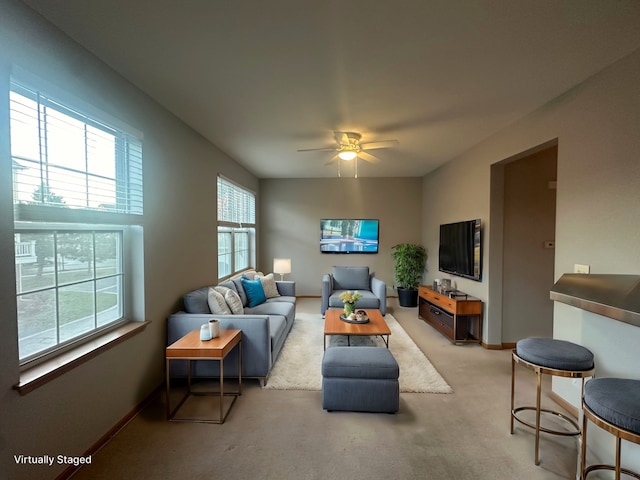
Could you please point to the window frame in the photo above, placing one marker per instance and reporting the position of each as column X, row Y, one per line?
column 127, row 220
column 243, row 222
column 124, row 274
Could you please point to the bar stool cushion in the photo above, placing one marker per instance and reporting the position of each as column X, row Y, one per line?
column 553, row 353
column 615, row 400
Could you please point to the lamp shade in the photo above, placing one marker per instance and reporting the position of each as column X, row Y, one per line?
column 281, row 265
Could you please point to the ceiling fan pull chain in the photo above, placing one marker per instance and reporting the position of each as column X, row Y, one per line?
column 348, row 147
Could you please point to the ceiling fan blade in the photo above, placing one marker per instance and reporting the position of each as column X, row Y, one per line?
column 333, row 149
column 342, row 138
column 382, row 144
column 333, row 160
column 368, row 157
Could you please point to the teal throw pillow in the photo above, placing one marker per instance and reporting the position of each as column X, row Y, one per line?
column 255, row 292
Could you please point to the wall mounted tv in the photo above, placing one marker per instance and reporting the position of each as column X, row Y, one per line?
column 460, row 251
column 345, row 235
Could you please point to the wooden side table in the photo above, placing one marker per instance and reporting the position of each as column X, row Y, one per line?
column 190, row 347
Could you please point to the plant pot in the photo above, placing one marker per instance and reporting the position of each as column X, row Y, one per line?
column 407, row 298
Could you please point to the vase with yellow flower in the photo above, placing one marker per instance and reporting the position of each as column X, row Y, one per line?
column 349, row 299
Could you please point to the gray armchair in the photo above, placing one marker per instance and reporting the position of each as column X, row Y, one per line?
column 343, row 278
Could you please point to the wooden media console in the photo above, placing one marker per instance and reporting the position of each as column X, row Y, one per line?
column 458, row 317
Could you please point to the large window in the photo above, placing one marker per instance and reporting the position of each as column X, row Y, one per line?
column 236, row 228
column 77, row 189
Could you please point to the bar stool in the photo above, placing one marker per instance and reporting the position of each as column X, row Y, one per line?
column 548, row 356
column 612, row 404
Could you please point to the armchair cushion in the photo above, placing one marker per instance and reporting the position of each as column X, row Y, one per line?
column 351, row 278
column 367, row 300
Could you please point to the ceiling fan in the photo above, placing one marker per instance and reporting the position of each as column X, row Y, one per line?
column 349, row 147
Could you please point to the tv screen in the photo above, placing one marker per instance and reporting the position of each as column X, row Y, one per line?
column 344, row 235
column 460, row 251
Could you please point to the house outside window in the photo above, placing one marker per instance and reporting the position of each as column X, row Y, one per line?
column 77, row 190
column 236, row 228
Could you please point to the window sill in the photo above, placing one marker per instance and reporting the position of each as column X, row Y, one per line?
column 44, row 372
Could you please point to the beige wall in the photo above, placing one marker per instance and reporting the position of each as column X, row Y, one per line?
column 290, row 211
column 597, row 216
column 69, row 414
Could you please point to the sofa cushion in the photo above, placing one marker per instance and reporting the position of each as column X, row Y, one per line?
column 249, row 274
column 254, row 291
column 235, row 284
column 232, row 298
column 351, row 278
column 268, row 285
column 240, row 291
column 197, row 301
column 217, row 303
column 282, row 298
column 277, row 330
column 286, row 309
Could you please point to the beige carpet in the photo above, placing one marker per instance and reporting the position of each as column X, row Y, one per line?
column 299, row 365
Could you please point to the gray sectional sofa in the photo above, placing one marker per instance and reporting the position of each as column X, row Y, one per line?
column 265, row 328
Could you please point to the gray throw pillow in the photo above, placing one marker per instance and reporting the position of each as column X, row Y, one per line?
column 217, row 303
column 232, row 298
column 268, row 285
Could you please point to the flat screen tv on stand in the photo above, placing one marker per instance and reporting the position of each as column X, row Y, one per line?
column 460, row 250
column 349, row 235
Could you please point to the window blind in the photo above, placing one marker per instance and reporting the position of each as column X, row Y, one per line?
column 236, row 205
column 64, row 159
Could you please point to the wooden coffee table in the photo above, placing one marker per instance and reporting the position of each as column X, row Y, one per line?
column 376, row 326
column 190, row 347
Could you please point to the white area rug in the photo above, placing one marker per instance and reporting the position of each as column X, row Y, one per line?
column 299, row 365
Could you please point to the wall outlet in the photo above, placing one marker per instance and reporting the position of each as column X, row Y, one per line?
column 579, row 268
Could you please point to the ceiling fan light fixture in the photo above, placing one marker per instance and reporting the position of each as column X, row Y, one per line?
column 347, row 155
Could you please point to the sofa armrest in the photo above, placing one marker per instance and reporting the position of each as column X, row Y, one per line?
column 379, row 289
column 327, row 289
column 256, row 337
column 286, row 288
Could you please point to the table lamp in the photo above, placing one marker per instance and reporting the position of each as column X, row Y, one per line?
column 282, row 266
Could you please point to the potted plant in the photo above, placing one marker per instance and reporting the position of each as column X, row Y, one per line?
column 410, row 262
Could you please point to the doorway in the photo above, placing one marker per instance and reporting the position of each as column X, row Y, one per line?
column 523, row 200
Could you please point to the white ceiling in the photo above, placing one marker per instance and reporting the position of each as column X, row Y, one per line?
column 261, row 79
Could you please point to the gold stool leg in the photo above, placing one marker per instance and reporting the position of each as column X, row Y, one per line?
column 513, row 384
column 583, row 450
column 618, row 442
column 538, row 416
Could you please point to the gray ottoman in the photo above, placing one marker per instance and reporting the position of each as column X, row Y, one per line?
column 360, row 379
